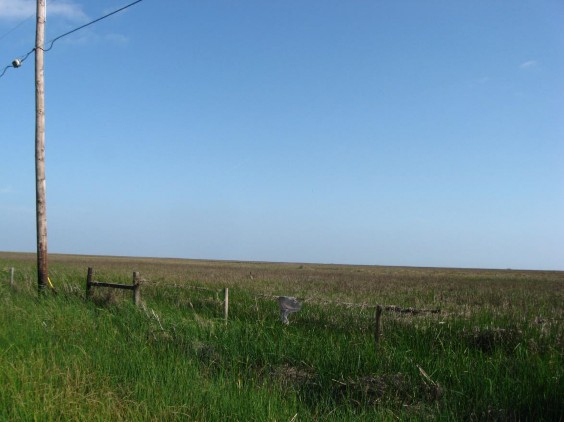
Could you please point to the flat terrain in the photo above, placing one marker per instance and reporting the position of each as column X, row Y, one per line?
column 455, row 344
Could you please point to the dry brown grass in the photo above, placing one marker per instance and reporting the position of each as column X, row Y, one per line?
column 460, row 291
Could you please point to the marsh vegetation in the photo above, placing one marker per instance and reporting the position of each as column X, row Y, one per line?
column 493, row 352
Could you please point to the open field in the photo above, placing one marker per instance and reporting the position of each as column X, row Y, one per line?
column 494, row 352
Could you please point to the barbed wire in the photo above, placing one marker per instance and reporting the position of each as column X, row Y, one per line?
column 390, row 308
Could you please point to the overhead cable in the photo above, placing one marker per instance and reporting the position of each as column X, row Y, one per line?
column 18, row 62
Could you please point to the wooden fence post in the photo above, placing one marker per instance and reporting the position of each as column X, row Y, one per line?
column 226, row 303
column 12, row 277
column 378, row 327
column 136, row 289
column 89, row 283
column 135, row 286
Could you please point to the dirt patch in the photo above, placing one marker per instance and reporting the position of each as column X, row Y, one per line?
column 489, row 339
column 371, row 389
column 288, row 375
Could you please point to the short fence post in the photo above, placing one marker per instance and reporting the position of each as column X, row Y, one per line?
column 226, row 303
column 89, row 283
column 12, row 277
column 378, row 327
column 136, row 289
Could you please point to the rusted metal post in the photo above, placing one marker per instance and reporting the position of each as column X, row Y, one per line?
column 226, row 304
column 378, row 326
column 136, row 289
column 89, row 283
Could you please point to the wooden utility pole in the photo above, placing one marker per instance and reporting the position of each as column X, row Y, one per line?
column 41, row 208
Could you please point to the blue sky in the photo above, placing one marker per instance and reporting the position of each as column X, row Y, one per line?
column 421, row 133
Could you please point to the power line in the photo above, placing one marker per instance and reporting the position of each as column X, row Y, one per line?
column 16, row 27
column 18, row 62
column 89, row 23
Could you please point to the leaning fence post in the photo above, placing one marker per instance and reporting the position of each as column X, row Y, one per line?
column 136, row 289
column 12, row 277
column 226, row 303
column 378, row 327
column 89, row 283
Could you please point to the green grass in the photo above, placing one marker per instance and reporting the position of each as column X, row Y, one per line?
column 495, row 352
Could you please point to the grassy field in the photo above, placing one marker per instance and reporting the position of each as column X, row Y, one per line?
column 494, row 352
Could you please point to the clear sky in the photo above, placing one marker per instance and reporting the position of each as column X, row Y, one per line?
column 420, row 133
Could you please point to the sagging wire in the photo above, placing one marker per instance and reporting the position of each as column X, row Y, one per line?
column 16, row 27
column 18, row 62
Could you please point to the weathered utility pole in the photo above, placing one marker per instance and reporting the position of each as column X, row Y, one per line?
column 41, row 208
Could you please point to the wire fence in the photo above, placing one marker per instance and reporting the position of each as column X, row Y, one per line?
column 222, row 294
